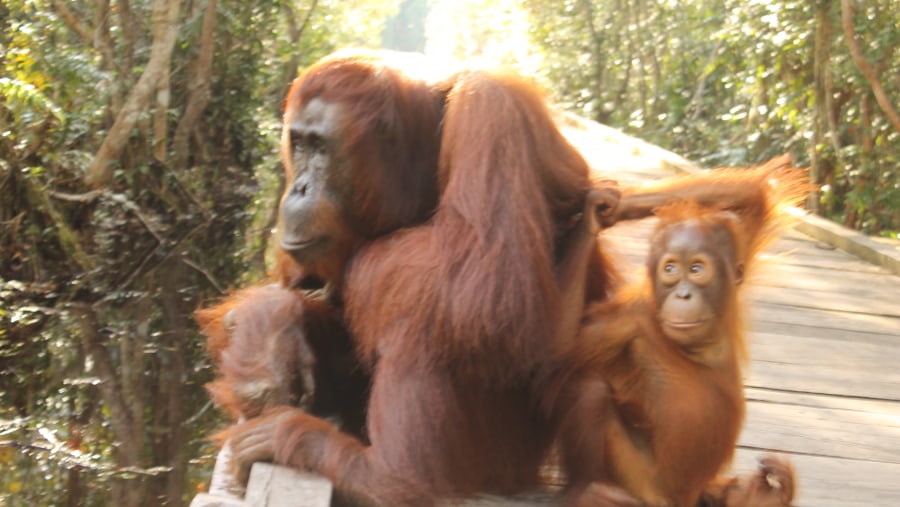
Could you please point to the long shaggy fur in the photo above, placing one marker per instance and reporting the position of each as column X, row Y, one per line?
column 684, row 415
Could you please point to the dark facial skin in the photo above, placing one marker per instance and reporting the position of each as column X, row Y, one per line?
column 313, row 208
column 693, row 270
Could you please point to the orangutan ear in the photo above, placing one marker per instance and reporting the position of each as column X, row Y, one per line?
column 739, row 273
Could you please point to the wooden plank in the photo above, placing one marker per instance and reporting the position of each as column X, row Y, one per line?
column 831, row 380
column 843, row 336
column 802, row 352
column 794, row 234
column 806, row 246
column 768, row 311
column 817, row 431
column 207, row 500
column 884, row 305
column 837, row 264
column 823, row 366
column 850, row 403
column 854, row 242
column 276, row 486
column 777, row 274
column 222, row 484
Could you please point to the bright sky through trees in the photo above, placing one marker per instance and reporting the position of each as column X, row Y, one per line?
column 488, row 33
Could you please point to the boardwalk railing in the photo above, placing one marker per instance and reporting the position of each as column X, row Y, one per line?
column 272, row 486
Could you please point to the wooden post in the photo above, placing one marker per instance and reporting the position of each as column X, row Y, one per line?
column 275, row 486
column 269, row 486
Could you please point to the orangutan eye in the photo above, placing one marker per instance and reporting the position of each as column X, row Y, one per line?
column 702, row 270
column 668, row 270
column 316, row 143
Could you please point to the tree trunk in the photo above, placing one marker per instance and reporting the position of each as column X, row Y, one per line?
column 820, row 165
column 865, row 67
column 128, row 31
column 161, row 117
column 165, row 30
column 598, row 63
column 296, row 32
column 128, row 430
column 176, row 314
column 198, row 88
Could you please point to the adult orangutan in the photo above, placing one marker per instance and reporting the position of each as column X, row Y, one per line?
column 359, row 147
column 507, row 208
column 670, row 350
column 461, row 316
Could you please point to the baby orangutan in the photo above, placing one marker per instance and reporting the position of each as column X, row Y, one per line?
column 670, row 351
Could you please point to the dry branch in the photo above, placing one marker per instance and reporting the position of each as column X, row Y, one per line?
column 165, row 30
column 865, row 67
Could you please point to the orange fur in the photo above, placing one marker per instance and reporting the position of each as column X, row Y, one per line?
column 453, row 285
column 773, row 485
column 676, row 415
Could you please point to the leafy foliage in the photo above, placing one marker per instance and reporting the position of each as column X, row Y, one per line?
column 729, row 82
column 101, row 367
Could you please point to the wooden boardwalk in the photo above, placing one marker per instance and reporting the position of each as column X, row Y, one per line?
column 823, row 386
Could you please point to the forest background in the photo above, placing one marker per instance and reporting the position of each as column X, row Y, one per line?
column 139, row 173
